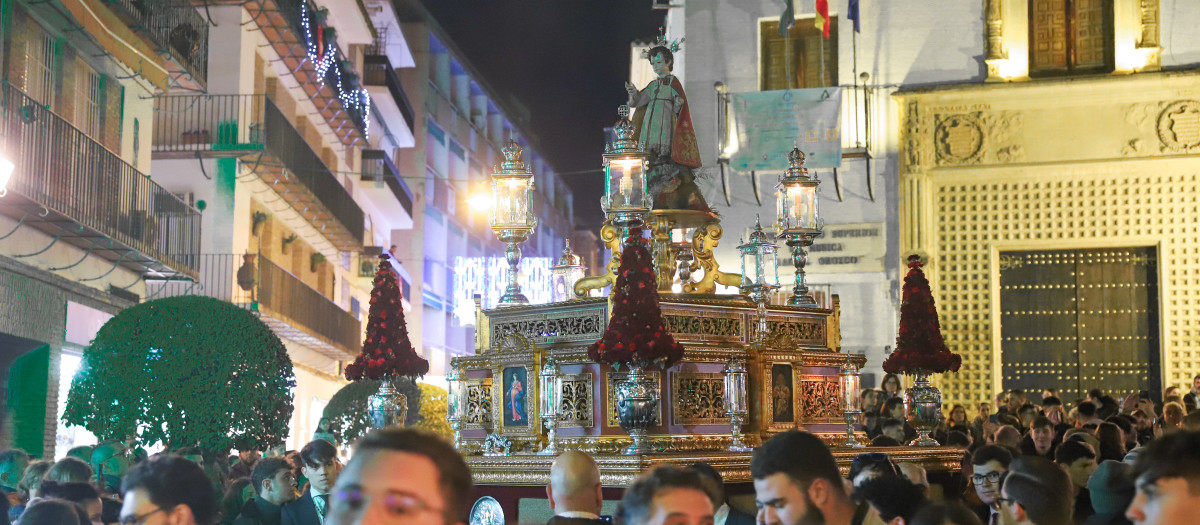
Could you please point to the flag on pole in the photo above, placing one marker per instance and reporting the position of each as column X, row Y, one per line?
column 822, row 19
column 788, row 18
column 852, row 14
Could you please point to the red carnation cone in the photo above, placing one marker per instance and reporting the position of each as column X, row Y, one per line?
column 636, row 333
column 919, row 345
column 387, row 351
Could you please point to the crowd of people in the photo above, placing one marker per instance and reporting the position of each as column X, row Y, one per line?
column 1099, row 460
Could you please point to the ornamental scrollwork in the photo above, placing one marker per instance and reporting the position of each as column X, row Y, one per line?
column 578, row 325
column 820, row 399
column 577, row 406
column 692, row 325
column 699, row 399
column 479, row 403
column 798, row 333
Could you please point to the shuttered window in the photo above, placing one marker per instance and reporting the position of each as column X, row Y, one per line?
column 803, row 59
column 1070, row 37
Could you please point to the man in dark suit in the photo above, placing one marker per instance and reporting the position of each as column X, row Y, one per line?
column 725, row 514
column 320, row 465
column 574, row 490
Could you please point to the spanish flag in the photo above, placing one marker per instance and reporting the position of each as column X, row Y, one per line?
column 822, row 19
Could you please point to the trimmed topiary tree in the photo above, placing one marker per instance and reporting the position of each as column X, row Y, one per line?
column 185, row 371
column 347, row 410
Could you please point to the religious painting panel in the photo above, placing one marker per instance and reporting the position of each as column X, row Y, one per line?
column 515, row 396
column 783, row 395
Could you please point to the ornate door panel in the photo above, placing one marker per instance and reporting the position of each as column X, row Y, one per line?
column 1079, row 319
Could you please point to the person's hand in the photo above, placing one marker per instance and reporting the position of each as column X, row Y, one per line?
column 989, row 430
column 1129, row 404
column 632, row 91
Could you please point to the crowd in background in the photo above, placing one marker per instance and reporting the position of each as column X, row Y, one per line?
column 1096, row 460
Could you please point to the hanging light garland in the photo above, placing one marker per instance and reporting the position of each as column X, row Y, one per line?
column 324, row 55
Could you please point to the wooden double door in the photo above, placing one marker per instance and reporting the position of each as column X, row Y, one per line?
column 1074, row 320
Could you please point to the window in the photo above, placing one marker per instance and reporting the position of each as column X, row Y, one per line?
column 804, row 59
column 39, row 68
column 89, row 95
column 1070, row 37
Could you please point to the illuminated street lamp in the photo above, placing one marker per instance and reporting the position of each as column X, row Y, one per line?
column 799, row 221
column 512, row 214
column 626, row 198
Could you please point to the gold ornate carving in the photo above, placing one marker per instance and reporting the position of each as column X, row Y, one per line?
column 718, row 328
column 1179, row 126
column 796, row 333
column 610, row 400
column 699, row 398
column 914, row 137
column 819, row 399
column 479, row 404
column 612, row 240
column 511, row 339
column 518, row 333
column 704, row 241
column 577, row 407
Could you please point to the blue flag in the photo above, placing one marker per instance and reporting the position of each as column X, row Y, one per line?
column 852, row 13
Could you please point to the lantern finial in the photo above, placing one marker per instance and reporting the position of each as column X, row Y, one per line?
column 512, row 156
column 796, row 169
column 624, row 130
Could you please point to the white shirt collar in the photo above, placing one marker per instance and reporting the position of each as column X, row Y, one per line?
column 578, row 514
column 721, row 515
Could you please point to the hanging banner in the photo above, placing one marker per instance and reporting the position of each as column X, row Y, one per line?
column 768, row 124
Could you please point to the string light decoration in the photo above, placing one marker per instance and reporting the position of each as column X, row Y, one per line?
column 487, row 276
column 324, row 56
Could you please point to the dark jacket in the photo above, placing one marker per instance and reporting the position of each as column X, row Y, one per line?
column 258, row 511
column 737, row 517
column 1029, row 449
column 563, row 520
column 303, row 511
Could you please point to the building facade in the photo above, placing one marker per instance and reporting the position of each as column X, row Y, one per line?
column 1038, row 155
column 460, row 125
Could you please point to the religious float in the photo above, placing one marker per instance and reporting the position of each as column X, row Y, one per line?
column 715, row 374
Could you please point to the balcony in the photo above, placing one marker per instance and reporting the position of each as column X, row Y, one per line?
column 175, row 26
column 71, row 187
column 290, row 27
column 387, row 93
column 291, row 308
column 387, row 187
column 251, row 128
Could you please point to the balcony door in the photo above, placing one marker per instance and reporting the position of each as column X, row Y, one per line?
column 1080, row 319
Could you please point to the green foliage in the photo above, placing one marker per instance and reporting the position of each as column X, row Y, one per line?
column 347, row 410
column 185, row 371
column 433, row 411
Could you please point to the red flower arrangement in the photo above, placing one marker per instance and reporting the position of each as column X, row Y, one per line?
column 636, row 333
column 920, row 348
column 387, row 351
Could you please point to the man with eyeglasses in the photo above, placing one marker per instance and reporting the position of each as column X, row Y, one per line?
column 990, row 463
column 1036, row 492
column 401, row 476
column 1168, row 481
column 274, row 485
column 168, row 490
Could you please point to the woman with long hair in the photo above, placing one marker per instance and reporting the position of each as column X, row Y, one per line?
column 891, row 388
column 1111, row 446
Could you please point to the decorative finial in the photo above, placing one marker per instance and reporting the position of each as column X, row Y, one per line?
column 758, row 236
column 568, row 257
column 661, row 41
column 796, row 169
column 624, row 130
column 512, row 157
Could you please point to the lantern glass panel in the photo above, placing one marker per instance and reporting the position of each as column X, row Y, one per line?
column 511, row 197
column 549, row 394
column 735, row 391
column 626, row 183
column 850, row 384
column 749, row 268
column 455, row 387
column 806, row 202
column 770, row 267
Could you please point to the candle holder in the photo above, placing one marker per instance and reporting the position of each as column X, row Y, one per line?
column 848, row 380
column 626, row 198
column 760, row 274
column 455, row 402
column 799, row 221
column 735, row 402
column 512, row 215
column 551, row 403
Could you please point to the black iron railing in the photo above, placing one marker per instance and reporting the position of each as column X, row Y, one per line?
column 377, row 167
column 256, row 283
column 64, row 170
column 240, row 124
column 378, row 71
column 175, row 26
column 281, row 293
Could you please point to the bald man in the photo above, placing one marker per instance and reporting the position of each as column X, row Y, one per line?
column 574, row 490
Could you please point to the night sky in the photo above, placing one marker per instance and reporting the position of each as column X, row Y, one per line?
column 566, row 61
